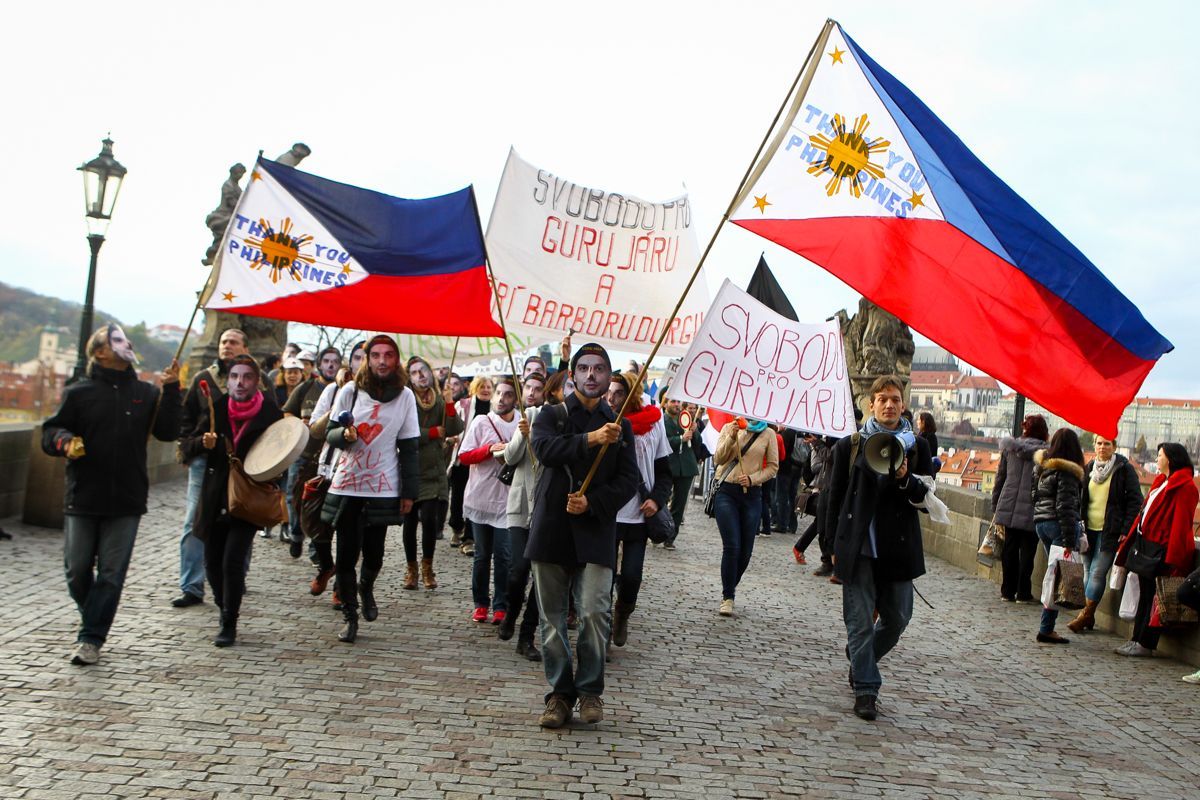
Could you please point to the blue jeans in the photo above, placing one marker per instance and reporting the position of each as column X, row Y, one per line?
column 591, row 587
column 1049, row 531
column 492, row 547
column 869, row 640
column 191, row 549
column 1097, row 563
column 738, row 515
column 293, row 513
column 96, row 553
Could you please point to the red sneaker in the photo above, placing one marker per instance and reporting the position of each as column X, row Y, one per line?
column 498, row 616
column 480, row 614
column 799, row 555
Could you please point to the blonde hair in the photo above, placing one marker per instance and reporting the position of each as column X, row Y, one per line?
column 477, row 383
column 97, row 340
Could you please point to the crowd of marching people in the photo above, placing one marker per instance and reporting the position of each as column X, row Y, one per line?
column 555, row 482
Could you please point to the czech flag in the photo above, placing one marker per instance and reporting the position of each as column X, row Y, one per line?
column 306, row 249
column 865, row 181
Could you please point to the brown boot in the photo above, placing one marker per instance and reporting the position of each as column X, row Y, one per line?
column 427, row 576
column 410, row 576
column 1086, row 619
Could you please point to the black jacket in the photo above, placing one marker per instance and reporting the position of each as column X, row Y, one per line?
column 214, row 493
column 559, row 440
column 1124, row 501
column 1057, row 489
column 111, row 410
column 857, row 495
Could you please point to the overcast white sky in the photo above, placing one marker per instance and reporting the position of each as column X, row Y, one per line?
column 1087, row 109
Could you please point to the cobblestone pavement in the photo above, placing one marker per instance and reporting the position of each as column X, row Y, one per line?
column 429, row 704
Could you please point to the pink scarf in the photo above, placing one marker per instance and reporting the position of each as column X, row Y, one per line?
column 240, row 415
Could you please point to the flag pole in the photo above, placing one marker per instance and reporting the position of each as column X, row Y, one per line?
column 496, row 294
column 807, row 69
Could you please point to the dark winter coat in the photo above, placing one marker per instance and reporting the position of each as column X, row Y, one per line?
column 559, row 440
column 437, row 423
column 1124, row 501
column 1057, row 488
column 194, row 418
column 857, row 495
column 1012, row 498
column 214, row 493
column 111, row 410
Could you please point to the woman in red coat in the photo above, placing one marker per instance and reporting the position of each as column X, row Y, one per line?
column 1166, row 520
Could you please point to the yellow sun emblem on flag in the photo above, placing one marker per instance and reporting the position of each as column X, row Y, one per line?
column 847, row 154
column 279, row 250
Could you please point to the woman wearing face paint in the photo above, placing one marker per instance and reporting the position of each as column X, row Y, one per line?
column 437, row 421
column 239, row 419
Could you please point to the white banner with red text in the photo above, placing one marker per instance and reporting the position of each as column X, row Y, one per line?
column 606, row 266
column 749, row 361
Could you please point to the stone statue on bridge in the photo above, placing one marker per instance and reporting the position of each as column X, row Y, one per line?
column 877, row 343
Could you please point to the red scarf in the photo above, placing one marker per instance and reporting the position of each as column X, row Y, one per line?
column 642, row 421
column 240, row 415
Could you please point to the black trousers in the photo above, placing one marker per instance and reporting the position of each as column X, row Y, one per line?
column 355, row 538
column 429, row 515
column 458, row 488
column 1143, row 634
column 680, row 486
column 519, row 568
column 226, row 554
column 1016, row 560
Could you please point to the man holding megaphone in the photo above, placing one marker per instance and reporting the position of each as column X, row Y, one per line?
column 877, row 545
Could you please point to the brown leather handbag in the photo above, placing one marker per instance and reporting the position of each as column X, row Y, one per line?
column 261, row 504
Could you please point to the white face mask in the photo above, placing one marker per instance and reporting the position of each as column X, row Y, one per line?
column 120, row 345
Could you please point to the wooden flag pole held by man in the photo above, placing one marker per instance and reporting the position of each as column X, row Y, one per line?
column 803, row 78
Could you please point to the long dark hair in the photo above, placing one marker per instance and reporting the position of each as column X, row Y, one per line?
column 554, row 385
column 927, row 423
column 1177, row 456
column 1065, row 445
column 366, row 379
column 1034, row 427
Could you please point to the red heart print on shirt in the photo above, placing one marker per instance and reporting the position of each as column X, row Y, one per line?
column 367, row 432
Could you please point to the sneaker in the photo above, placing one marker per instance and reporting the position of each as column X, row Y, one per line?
column 557, row 713
column 726, row 609
column 1193, row 678
column 480, row 614
column 591, row 709
column 1008, row 599
column 669, row 546
column 1027, row 601
column 455, row 539
column 498, row 616
column 1134, row 649
column 798, row 554
column 86, row 654
column 864, row 707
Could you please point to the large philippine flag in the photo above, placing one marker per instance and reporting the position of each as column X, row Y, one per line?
column 865, row 181
column 306, row 249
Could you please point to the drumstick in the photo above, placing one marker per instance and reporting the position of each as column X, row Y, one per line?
column 212, row 421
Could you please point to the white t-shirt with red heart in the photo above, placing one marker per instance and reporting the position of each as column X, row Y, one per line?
column 369, row 467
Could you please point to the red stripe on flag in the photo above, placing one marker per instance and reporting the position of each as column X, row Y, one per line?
column 950, row 288
column 453, row 304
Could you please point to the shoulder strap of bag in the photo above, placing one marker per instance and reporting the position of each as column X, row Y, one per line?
column 855, row 443
column 745, row 449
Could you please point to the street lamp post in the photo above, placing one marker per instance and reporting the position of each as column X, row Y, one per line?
column 102, row 177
